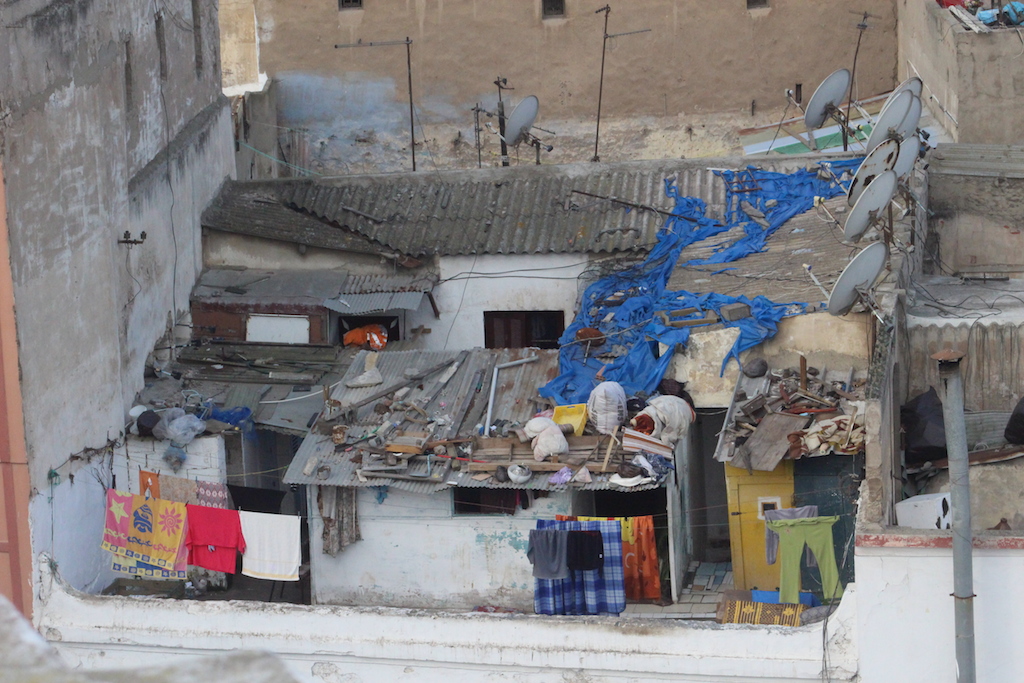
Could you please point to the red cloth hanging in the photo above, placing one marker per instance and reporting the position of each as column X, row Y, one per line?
column 214, row 538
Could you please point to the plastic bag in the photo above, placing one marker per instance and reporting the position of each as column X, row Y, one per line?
column 606, row 407
column 672, row 417
column 534, row 427
column 178, row 427
column 549, row 442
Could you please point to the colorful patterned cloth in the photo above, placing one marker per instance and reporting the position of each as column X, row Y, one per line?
column 639, row 554
column 746, row 612
column 147, row 530
column 132, row 567
column 213, row 495
column 179, row 489
column 600, row 591
column 149, row 482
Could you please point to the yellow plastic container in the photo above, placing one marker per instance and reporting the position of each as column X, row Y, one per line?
column 575, row 415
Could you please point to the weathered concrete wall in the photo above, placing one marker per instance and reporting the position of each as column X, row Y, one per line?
column 972, row 82
column 124, row 130
column 239, row 47
column 905, row 612
column 699, row 57
column 328, row 644
column 254, row 117
column 416, row 553
column 471, row 285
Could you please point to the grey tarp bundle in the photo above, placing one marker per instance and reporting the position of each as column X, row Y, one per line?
column 338, row 512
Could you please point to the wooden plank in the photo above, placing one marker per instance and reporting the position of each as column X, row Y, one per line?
column 608, row 453
column 769, row 445
column 969, row 20
column 532, row 464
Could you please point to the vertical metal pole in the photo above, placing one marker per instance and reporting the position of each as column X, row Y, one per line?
column 412, row 125
column 501, row 124
column 476, row 131
column 607, row 9
column 862, row 26
column 960, row 498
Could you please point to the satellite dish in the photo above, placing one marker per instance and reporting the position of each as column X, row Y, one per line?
column 913, row 84
column 859, row 274
column 520, row 121
column 891, row 118
column 881, row 159
column 909, row 151
column 908, row 126
column 873, row 199
column 828, row 96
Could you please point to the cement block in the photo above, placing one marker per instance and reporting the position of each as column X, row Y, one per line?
column 731, row 312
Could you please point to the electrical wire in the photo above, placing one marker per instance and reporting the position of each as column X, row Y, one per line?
column 781, row 121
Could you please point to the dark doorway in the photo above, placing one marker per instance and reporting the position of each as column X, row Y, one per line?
column 520, row 329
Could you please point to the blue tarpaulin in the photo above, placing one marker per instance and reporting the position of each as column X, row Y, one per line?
column 623, row 306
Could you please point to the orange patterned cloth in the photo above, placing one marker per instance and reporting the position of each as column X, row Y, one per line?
column 149, row 482
column 639, row 554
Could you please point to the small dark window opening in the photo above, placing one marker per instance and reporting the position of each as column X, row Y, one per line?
column 350, row 4
column 520, row 329
column 351, row 322
column 756, row 4
column 161, row 46
column 485, row 501
column 553, row 8
column 197, row 34
column 129, row 78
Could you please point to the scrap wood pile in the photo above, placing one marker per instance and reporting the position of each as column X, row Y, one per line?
column 796, row 413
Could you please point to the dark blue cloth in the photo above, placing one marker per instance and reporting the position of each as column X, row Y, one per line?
column 599, row 591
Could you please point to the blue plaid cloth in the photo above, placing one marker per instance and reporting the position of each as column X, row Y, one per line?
column 601, row 591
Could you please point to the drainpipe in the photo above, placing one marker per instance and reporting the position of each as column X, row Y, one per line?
column 960, row 499
column 494, row 385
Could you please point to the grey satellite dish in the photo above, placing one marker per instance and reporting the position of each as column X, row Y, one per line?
column 908, row 126
column 873, row 199
column 520, row 121
column 909, row 151
column 881, row 159
column 827, row 97
column 913, row 84
column 891, row 118
column 860, row 274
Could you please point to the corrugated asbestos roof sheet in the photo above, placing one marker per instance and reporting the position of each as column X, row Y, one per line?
column 372, row 284
column 362, row 304
column 997, row 161
column 269, row 286
column 516, row 389
column 253, row 208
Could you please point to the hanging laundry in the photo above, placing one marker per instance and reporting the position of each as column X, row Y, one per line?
column 273, row 546
column 144, row 529
column 585, row 592
column 149, row 482
column 179, row 489
column 771, row 539
column 214, row 538
column 816, row 533
column 548, row 553
column 341, row 522
column 584, row 551
column 639, row 556
column 214, row 495
column 133, row 567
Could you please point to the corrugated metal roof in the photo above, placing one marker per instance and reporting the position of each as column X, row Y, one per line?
column 253, row 208
column 266, row 287
column 996, row 161
column 372, row 284
column 361, row 304
column 514, row 401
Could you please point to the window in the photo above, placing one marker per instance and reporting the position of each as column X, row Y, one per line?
column 351, row 322
column 553, row 8
column 485, row 501
column 197, row 34
column 519, row 329
column 350, row 4
column 756, row 4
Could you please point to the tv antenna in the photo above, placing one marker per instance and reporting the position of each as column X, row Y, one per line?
column 408, row 65
column 861, row 27
column 502, row 84
column 857, row 281
column 607, row 9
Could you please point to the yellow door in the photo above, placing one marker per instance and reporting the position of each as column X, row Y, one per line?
column 749, row 495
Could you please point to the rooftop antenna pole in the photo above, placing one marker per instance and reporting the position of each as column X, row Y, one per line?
column 476, row 132
column 408, row 65
column 861, row 27
column 960, row 498
column 607, row 9
column 502, row 84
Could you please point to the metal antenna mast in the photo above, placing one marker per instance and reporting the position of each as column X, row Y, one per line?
column 861, row 27
column 502, row 84
column 408, row 65
column 607, row 9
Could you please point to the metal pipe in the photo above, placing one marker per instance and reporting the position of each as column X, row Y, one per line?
column 607, row 9
column 494, row 385
column 960, row 499
column 412, row 125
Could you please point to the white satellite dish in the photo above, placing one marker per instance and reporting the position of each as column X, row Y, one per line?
column 881, row 159
column 891, row 118
column 826, row 98
column 858, row 277
column 913, row 84
column 908, row 126
column 520, row 121
column 909, row 151
column 873, row 199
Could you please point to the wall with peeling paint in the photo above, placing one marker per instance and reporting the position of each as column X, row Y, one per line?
column 124, row 129
column 331, row 644
column 416, row 553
